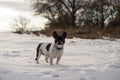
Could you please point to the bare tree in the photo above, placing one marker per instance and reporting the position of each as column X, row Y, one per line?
column 20, row 24
column 59, row 7
column 94, row 12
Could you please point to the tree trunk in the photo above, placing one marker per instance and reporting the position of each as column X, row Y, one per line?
column 102, row 25
column 73, row 14
column 73, row 20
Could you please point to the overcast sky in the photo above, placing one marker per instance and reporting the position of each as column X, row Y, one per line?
column 17, row 5
column 11, row 9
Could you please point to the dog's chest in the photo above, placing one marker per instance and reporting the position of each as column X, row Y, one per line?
column 56, row 53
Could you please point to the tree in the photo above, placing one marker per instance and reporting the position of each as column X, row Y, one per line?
column 20, row 24
column 90, row 12
column 117, row 20
column 103, row 12
column 58, row 8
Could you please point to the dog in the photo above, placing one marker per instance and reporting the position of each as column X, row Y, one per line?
column 52, row 50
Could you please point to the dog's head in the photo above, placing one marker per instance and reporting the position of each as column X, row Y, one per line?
column 59, row 40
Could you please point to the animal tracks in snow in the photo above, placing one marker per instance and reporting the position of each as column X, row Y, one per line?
column 4, row 72
column 47, row 72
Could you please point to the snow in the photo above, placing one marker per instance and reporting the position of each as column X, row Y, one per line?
column 83, row 59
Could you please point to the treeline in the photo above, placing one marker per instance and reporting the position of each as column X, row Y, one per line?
column 79, row 13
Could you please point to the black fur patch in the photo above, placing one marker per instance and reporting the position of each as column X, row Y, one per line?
column 39, row 47
column 48, row 46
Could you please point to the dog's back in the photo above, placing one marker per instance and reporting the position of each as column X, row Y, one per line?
column 43, row 48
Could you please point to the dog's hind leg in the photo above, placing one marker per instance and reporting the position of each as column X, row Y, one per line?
column 38, row 53
column 37, row 57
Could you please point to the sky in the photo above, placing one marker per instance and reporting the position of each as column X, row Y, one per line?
column 13, row 9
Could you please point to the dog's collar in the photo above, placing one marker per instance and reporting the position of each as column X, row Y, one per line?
column 58, row 47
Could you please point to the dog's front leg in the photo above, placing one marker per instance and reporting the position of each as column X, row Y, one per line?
column 58, row 59
column 51, row 61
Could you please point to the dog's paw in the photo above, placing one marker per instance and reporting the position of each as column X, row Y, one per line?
column 37, row 62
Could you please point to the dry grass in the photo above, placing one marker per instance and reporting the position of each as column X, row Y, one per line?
column 85, row 33
column 88, row 33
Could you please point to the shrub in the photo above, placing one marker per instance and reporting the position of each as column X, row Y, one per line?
column 20, row 24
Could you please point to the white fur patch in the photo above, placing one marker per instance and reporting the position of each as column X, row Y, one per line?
column 59, row 46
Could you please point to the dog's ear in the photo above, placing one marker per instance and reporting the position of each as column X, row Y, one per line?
column 64, row 35
column 55, row 35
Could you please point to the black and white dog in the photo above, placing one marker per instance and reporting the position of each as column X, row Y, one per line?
column 52, row 50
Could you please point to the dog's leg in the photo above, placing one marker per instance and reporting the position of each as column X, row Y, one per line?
column 46, row 59
column 58, row 59
column 38, row 53
column 37, row 57
column 51, row 61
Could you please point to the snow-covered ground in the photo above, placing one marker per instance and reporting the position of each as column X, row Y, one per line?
column 83, row 59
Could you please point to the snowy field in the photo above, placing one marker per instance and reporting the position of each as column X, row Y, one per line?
column 82, row 59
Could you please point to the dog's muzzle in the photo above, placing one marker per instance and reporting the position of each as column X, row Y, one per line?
column 59, row 46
